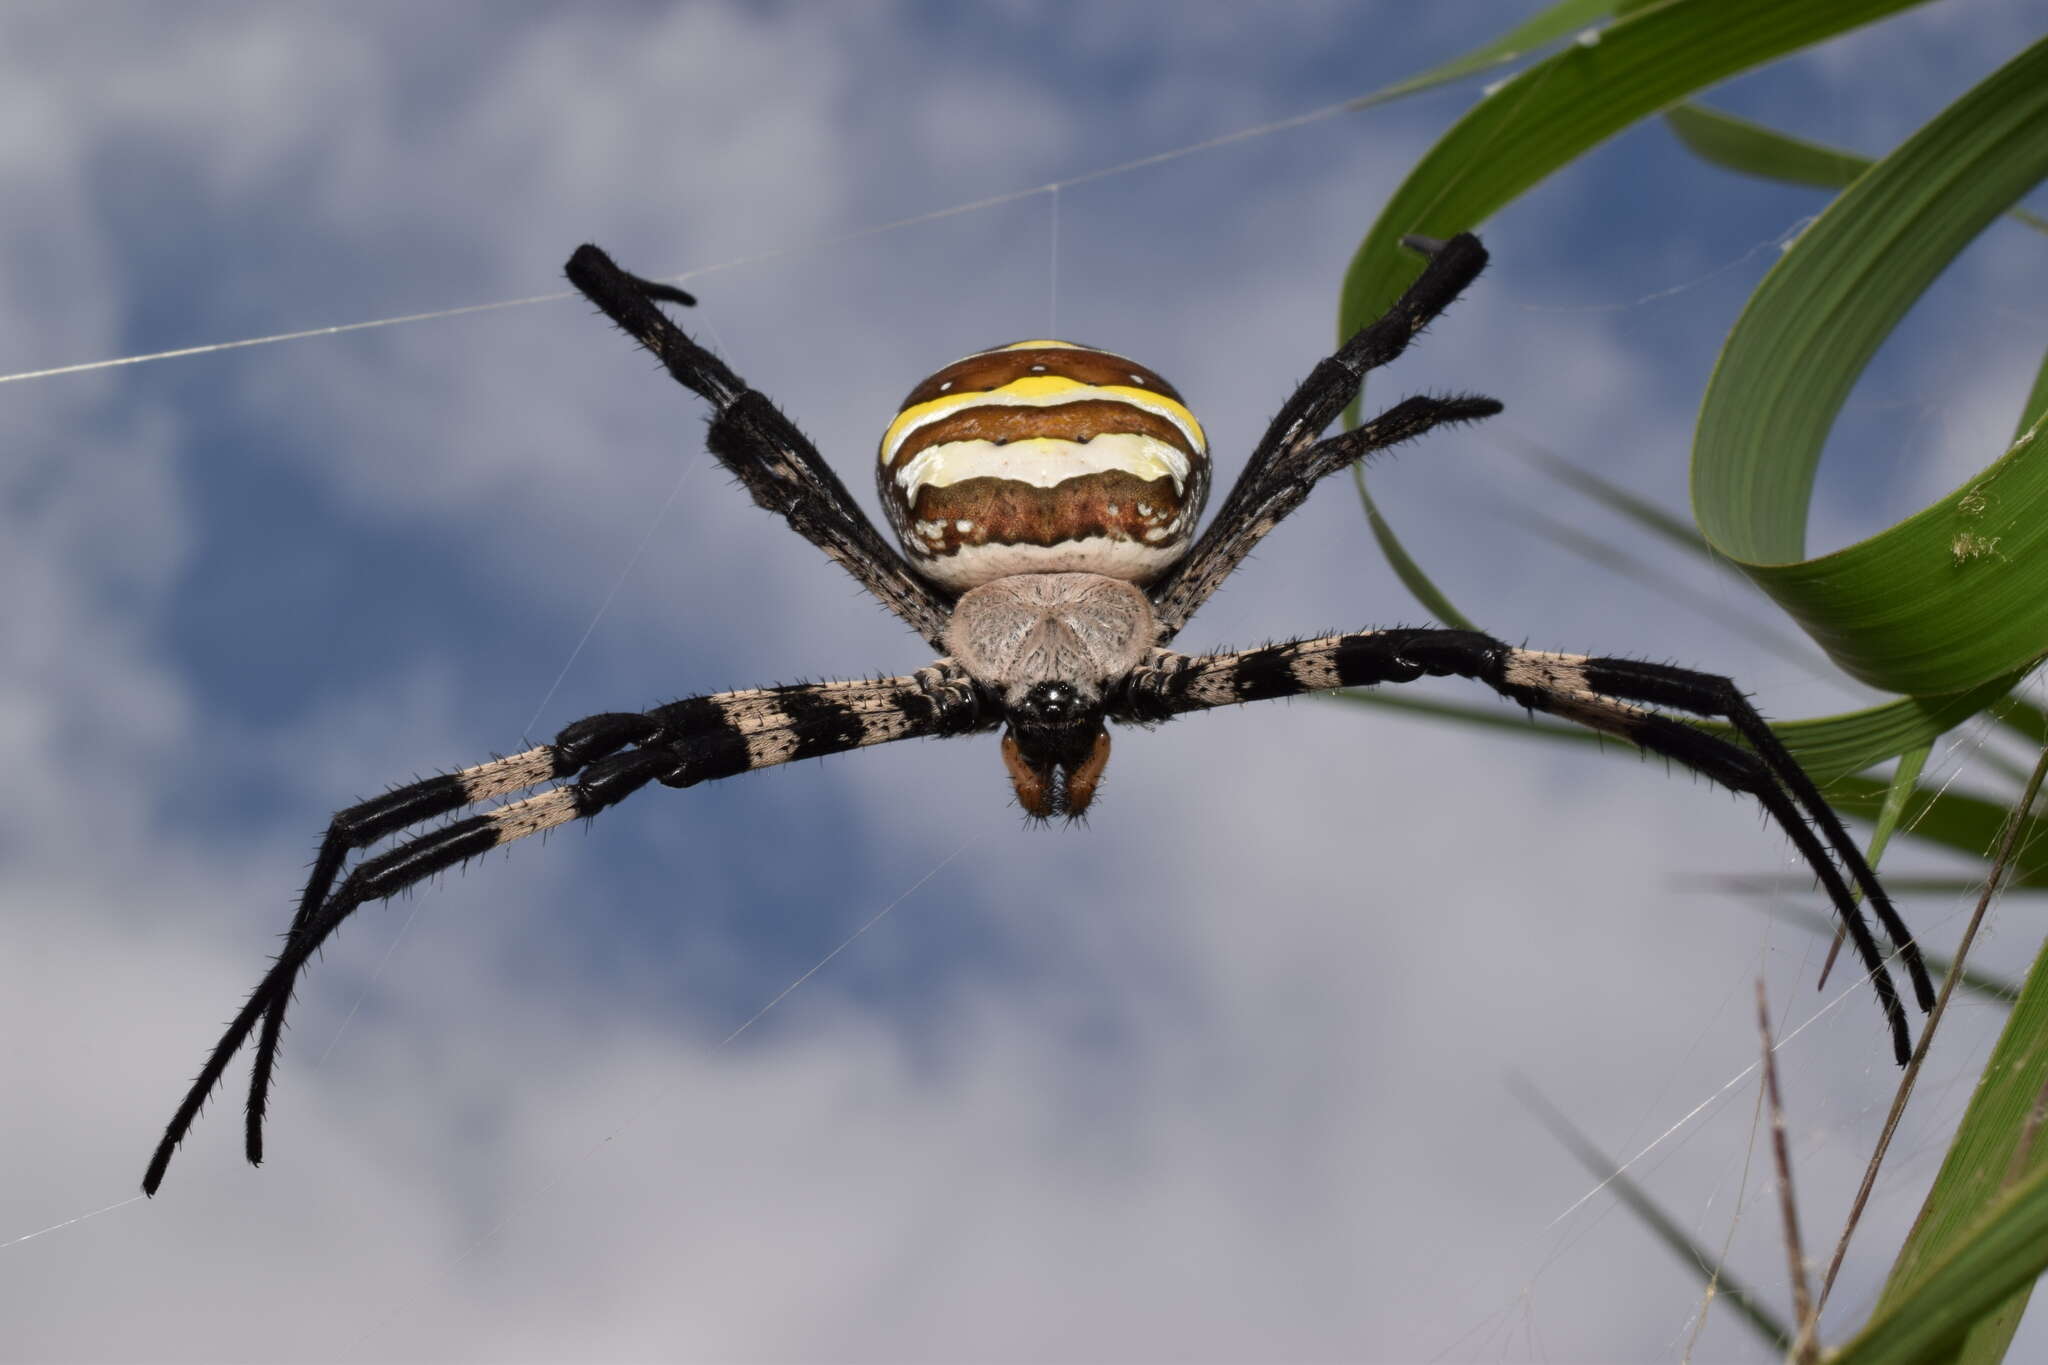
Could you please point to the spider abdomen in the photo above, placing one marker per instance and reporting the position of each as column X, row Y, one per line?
column 1043, row 457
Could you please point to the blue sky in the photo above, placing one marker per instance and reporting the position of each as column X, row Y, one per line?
column 1219, row 1076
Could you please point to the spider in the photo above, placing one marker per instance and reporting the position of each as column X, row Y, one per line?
column 1045, row 495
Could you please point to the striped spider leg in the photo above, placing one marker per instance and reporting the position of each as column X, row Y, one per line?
column 1601, row 693
column 596, row 762
column 1611, row 695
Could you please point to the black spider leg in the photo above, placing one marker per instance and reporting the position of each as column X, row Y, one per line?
column 606, row 759
column 1278, row 475
column 1606, row 694
column 753, row 439
column 1287, row 480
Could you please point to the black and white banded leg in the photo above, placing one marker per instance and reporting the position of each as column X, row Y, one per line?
column 1606, row 694
column 763, row 448
column 1287, row 462
column 597, row 762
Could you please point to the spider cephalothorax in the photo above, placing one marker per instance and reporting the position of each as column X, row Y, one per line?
column 1046, row 495
column 1053, row 646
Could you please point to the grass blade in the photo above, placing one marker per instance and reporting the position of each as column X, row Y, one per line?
column 1752, row 149
column 1560, row 20
column 1956, row 595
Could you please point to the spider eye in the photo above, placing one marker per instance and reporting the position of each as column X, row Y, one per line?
column 1050, row 703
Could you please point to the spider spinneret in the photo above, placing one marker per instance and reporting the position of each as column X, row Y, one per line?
column 1045, row 495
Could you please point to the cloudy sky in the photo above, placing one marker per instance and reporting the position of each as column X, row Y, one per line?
column 1220, row 1076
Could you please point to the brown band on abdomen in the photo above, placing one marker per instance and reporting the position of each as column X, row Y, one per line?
column 1080, row 421
column 993, row 369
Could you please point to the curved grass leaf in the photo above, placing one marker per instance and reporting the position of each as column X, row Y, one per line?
column 1830, row 747
column 1957, row 595
column 2037, row 403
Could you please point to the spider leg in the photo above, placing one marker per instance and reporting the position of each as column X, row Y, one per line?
column 1606, row 694
column 369, row 822
column 1284, row 485
column 1276, row 478
column 599, row 761
column 753, row 439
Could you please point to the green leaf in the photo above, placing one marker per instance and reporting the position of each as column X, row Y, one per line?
column 1905, row 780
column 1752, row 149
column 1968, row 1266
column 1994, row 1148
column 1956, row 595
column 2001, row 1255
column 2036, row 405
column 1560, row 20
column 1830, row 747
column 1546, row 116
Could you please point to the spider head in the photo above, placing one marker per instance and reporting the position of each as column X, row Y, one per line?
column 1050, row 646
column 1055, row 749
